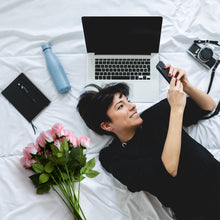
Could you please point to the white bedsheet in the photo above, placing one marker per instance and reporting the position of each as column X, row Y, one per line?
column 24, row 26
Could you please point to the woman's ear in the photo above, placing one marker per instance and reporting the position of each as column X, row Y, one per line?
column 106, row 126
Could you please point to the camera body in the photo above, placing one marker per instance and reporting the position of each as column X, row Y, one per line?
column 203, row 53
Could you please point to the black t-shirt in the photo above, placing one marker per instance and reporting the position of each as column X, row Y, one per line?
column 196, row 188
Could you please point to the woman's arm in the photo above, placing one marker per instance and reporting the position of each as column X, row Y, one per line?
column 172, row 146
column 202, row 99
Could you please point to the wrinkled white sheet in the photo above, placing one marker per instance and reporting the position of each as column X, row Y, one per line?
column 24, row 26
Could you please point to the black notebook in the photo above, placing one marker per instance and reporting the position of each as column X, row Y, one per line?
column 26, row 97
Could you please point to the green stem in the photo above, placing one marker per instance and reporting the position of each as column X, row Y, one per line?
column 79, row 207
column 63, row 200
column 79, row 190
column 73, row 190
column 69, row 183
column 68, row 190
column 74, row 210
column 82, row 211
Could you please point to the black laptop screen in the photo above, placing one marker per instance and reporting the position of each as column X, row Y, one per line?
column 122, row 35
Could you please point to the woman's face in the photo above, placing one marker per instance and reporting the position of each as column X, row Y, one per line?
column 123, row 114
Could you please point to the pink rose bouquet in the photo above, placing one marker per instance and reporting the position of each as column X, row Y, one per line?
column 58, row 162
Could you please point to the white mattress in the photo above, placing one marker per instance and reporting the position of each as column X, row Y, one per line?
column 24, row 26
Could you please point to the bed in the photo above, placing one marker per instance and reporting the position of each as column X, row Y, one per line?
column 24, row 26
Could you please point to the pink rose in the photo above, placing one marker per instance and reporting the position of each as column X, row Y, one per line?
column 43, row 137
column 58, row 129
column 27, row 160
column 57, row 143
column 69, row 135
column 75, row 141
column 40, row 140
column 84, row 141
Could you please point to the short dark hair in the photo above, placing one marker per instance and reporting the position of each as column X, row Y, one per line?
column 93, row 105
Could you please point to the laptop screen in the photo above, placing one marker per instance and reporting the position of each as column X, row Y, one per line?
column 122, row 35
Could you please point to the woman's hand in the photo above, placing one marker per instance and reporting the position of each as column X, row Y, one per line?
column 176, row 96
column 203, row 100
column 179, row 74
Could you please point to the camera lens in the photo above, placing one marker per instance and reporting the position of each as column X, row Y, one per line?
column 205, row 54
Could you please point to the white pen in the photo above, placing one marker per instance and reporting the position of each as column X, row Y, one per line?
column 24, row 89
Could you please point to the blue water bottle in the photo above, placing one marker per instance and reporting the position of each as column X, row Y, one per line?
column 55, row 69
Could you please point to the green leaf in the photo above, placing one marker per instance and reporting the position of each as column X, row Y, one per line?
column 59, row 155
column 37, row 167
column 53, row 159
column 90, row 164
column 42, row 159
column 49, row 167
column 43, row 178
column 65, row 176
column 83, row 161
column 91, row 173
column 55, row 150
column 43, row 188
column 78, row 178
column 75, row 153
column 64, row 146
column 81, row 178
column 82, row 170
column 35, row 178
column 62, row 161
column 72, row 164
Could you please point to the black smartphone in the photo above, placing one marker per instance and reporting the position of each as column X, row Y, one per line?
column 163, row 71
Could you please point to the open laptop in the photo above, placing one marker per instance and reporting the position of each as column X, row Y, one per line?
column 124, row 49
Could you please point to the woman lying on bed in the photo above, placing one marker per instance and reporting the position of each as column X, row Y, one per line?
column 152, row 152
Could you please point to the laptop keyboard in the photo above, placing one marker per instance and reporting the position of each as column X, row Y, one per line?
column 124, row 69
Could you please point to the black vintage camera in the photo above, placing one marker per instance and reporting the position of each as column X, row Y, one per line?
column 204, row 53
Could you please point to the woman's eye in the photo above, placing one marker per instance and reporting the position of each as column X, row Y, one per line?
column 120, row 106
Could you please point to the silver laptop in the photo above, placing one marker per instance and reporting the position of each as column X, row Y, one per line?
column 124, row 49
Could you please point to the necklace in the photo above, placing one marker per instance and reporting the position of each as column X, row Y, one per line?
column 124, row 144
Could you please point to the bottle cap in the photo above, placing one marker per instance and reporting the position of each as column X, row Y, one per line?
column 45, row 46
